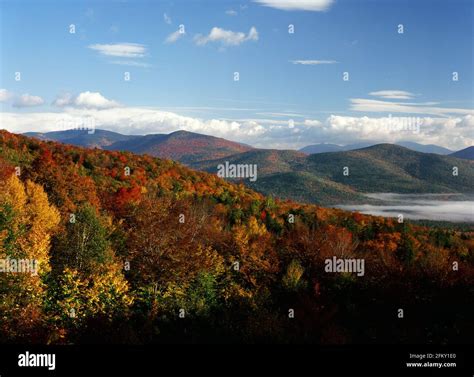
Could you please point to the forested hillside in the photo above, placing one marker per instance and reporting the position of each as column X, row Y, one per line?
column 317, row 178
column 137, row 249
column 343, row 177
column 186, row 147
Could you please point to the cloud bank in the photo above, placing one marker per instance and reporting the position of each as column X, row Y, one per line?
column 370, row 105
column 226, row 37
column 451, row 128
column 452, row 132
column 123, row 50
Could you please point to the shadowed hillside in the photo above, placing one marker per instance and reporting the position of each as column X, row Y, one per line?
column 467, row 153
column 319, row 178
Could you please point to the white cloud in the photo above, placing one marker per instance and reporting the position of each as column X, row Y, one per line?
column 27, row 100
column 313, row 62
column 65, row 99
column 5, row 95
column 226, row 37
column 231, row 12
column 449, row 132
column 309, row 5
column 312, row 122
column 94, row 100
column 451, row 128
column 87, row 100
column 253, row 34
column 167, row 19
column 370, row 105
column 124, row 50
column 468, row 122
column 452, row 132
column 173, row 37
column 130, row 120
column 393, row 94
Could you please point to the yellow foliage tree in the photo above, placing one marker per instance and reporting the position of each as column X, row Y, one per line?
column 104, row 293
column 253, row 244
column 27, row 221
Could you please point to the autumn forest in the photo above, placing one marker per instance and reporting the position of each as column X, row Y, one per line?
column 135, row 249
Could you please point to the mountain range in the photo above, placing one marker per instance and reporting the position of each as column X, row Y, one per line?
column 82, row 138
column 183, row 146
column 182, row 230
column 319, row 178
column 324, row 147
column 314, row 174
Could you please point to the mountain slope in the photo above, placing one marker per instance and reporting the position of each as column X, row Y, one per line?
column 183, row 146
column 268, row 161
column 319, row 178
column 425, row 148
column 323, row 148
column 73, row 175
column 391, row 168
column 288, row 174
column 96, row 139
column 306, row 188
column 466, row 154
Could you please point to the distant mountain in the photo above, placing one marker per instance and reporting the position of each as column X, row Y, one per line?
column 321, row 148
column 324, row 148
column 425, row 148
column 392, row 168
column 183, row 146
column 319, row 178
column 97, row 139
column 466, row 154
column 186, row 147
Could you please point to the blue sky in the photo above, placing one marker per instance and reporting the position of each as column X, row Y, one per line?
column 290, row 91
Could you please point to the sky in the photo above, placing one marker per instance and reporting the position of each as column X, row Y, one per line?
column 269, row 73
